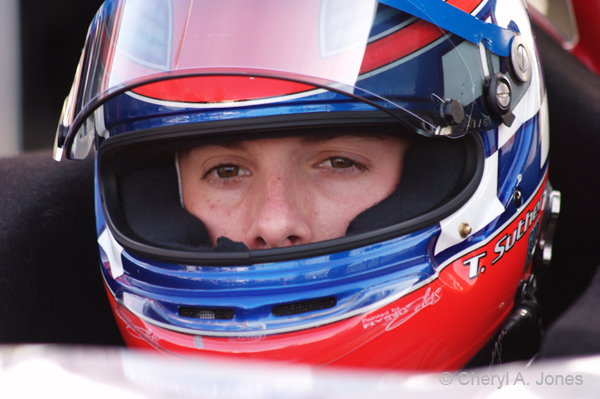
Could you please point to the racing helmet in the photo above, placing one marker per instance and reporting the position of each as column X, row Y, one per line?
column 421, row 280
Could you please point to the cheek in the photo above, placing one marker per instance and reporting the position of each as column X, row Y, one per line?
column 337, row 204
column 340, row 202
column 221, row 213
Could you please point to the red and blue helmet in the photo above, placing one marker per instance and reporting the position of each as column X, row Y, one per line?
column 422, row 280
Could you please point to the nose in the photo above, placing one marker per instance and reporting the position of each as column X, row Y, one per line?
column 280, row 215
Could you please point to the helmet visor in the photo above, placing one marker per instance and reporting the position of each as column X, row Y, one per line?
column 362, row 49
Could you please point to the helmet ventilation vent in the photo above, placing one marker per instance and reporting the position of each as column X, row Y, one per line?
column 295, row 308
column 206, row 314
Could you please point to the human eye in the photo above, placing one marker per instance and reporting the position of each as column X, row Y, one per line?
column 226, row 171
column 340, row 164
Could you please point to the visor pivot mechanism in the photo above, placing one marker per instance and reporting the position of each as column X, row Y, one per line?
column 499, row 95
column 452, row 111
column 519, row 59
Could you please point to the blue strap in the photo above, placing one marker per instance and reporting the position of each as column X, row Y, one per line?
column 452, row 19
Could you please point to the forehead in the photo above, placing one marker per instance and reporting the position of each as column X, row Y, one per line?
column 306, row 140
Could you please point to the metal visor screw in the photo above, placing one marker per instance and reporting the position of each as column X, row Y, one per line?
column 503, row 95
column 520, row 61
column 464, row 229
column 499, row 94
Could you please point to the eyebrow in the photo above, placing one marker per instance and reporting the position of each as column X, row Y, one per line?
column 305, row 138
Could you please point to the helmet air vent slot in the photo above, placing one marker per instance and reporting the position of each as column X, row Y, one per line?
column 295, row 308
column 206, row 314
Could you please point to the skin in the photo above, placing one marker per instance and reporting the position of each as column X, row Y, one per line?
column 280, row 192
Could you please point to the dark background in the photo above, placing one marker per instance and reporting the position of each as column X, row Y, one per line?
column 52, row 36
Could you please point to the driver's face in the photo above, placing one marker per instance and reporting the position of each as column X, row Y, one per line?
column 280, row 192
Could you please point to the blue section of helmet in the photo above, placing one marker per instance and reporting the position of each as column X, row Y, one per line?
column 490, row 141
column 126, row 113
column 106, row 9
column 450, row 18
column 519, row 166
column 100, row 221
column 357, row 279
column 506, row 155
